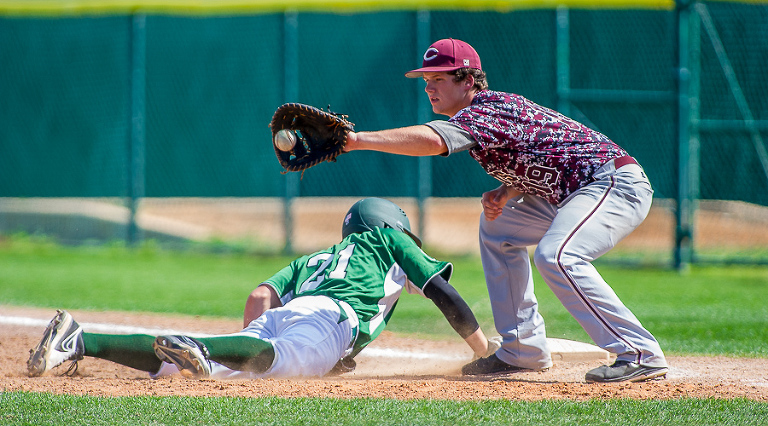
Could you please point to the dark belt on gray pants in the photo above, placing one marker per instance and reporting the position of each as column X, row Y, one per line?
column 623, row 161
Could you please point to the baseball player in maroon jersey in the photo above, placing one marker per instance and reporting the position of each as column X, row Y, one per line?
column 565, row 188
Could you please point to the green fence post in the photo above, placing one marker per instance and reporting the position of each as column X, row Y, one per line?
column 136, row 129
column 290, row 94
column 423, row 23
column 684, row 214
column 694, row 114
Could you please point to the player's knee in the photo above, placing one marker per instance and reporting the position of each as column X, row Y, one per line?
column 548, row 256
column 545, row 256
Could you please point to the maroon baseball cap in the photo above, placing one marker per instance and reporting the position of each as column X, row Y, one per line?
column 447, row 55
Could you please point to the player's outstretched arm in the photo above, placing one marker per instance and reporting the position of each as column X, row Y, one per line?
column 458, row 313
column 414, row 140
column 261, row 298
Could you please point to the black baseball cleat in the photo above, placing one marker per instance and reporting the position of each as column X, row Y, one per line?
column 490, row 365
column 188, row 355
column 621, row 371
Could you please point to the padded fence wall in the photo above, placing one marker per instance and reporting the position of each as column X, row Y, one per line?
column 212, row 84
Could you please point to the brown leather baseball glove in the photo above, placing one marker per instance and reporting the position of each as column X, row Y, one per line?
column 321, row 136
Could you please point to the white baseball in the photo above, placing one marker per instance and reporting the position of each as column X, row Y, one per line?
column 285, row 140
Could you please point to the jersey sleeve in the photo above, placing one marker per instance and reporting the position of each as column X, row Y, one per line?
column 418, row 266
column 456, row 138
column 284, row 282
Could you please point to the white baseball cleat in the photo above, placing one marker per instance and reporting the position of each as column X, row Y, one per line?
column 187, row 354
column 62, row 341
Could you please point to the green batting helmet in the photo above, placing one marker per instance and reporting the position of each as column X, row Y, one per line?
column 370, row 213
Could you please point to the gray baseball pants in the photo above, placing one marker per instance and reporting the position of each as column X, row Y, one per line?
column 568, row 238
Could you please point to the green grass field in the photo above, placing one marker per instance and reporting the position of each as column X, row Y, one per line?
column 43, row 409
column 708, row 311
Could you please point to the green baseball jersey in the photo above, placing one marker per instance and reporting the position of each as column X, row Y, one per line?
column 368, row 271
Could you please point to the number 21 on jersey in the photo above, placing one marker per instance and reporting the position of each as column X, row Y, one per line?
column 323, row 261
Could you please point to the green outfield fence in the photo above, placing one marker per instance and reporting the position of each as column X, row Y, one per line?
column 130, row 100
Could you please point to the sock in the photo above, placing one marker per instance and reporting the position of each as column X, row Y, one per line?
column 240, row 352
column 131, row 350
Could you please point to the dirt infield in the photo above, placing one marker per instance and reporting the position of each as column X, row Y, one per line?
column 431, row 371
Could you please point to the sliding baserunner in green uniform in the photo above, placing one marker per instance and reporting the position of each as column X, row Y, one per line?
column 308, row 320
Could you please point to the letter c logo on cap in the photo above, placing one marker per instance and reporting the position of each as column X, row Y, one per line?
column 430, row 54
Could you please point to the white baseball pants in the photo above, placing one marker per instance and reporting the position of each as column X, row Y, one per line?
column 306, row 334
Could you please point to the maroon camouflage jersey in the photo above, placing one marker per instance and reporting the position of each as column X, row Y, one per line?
column 531, row 148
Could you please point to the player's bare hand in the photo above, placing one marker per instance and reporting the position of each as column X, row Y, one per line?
column 494, row 201
column 351, row 142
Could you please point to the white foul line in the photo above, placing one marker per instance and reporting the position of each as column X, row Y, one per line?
column 128, row 329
